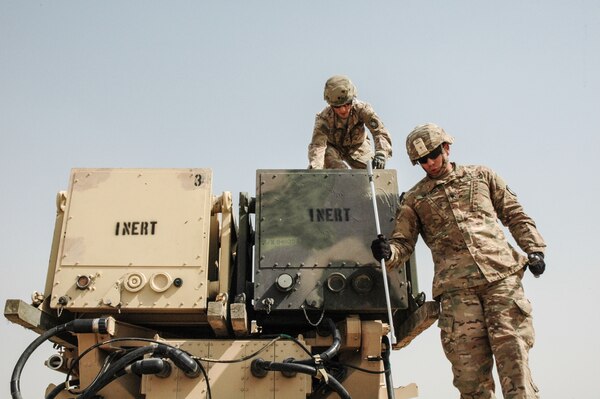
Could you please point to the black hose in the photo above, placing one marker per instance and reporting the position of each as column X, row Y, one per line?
column 321, row 390
column 338, row 388
column 388, row 368
column 15, row 380
column 310, row 367
column 189, row 366
column 332, row 382
column 208, row 391
column 332, row 350
column 78, row 326
column 155, row 366
column 290, row 366
column 113, row 372
column 159, row 367
column 186, row 363
column 337, row 341
column 59, row 388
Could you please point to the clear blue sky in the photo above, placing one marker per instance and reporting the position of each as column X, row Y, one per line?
column 234, row 86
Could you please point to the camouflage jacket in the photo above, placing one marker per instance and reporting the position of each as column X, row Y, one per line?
column 457, row 216
column 349, row 136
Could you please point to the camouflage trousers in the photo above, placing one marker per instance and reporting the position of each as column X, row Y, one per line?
column 335, row 160
column 488, row 322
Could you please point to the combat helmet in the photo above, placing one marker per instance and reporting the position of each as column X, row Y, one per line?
column 339, row 90
column 425, row 138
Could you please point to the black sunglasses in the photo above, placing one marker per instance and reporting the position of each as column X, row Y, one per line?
column 340, row 106
column 432, row 155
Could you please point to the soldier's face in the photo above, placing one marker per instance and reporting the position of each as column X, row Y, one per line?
column 343, row 111
column 437, row 166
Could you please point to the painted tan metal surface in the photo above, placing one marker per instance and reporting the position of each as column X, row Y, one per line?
column 231, row 380
column 135, row 234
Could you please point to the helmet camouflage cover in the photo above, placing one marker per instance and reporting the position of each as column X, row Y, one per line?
column 425, row 138
column 339, row 90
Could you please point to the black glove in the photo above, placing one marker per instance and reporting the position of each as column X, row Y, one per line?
column 379, row 161
column 381, row 248
column 536, row 263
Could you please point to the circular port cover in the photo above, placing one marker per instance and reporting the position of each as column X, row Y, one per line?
column 336, row 282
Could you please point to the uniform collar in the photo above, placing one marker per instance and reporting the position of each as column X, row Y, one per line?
column 456, row 172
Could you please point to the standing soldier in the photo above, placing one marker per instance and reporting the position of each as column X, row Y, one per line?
column 339, row 138
column 484, row 312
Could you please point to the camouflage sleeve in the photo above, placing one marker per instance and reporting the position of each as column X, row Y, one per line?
column 511, row 214
column 405, row 235
column 381, row 137
column 318, row 144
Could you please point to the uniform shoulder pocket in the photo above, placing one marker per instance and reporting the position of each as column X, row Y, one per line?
column 446, row 323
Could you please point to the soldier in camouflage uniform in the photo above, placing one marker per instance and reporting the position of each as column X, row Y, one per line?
column 484, row 312
column 339, row 137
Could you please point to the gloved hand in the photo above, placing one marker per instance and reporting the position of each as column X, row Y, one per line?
column 536, row 263
column 381, row 248
column 379, row 161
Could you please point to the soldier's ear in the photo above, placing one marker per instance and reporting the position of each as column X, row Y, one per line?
column 446, row 147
